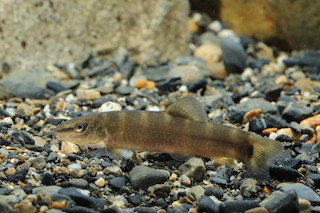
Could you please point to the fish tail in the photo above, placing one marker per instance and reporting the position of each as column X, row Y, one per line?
column 262, row 151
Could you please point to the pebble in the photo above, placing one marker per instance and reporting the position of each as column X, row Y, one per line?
column 87, row 94
column 197, row 191
column 248, row 188
column 233, row 55
column 283, row 173
column 160, row 190
column 194, row 168
column 184, row 180
column 295, row 112
column 143, row 177
column 256, row 103
column 82, row 199
column 206, row 204
column 117, row 183
column 47, row 179
column 100, row 182
column 288, row 162
column 282, row 202
column 110, row 106
column 39, row 163
column 238, row 206
column 257, row 210
column 216, row 191
column 79, row 183
column 188, row 73
column 303, row 192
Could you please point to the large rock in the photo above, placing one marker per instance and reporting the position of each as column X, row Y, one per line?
column 36, row 33
column 292, row 24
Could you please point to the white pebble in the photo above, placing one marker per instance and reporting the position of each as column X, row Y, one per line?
column 110, row 106
column 74, row 166
column 215, row 26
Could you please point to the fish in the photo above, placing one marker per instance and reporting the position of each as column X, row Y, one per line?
column 182, row 129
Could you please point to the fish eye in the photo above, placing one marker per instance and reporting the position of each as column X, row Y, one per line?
column 79, row 127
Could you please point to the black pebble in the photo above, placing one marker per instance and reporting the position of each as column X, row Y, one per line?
column 20, row 175
column 219, row 181
column 206, row 204
column 170, row 85
column 56, row 87
column 28, row 188
column 284, row 138
column 216, row 191
column 135, row 199
column 236, row 116
column 257, row 125
column 82, row 199
column 289, row 162
column 47, row 179
column 22, row 137
column 273, row 93
column 275, row 121
column 238, row 206
column 283, row 173
column 194, row 87
column 4, row 142
column 287, row 202
column 109, row 210
column 295, row 112
column 117, row 183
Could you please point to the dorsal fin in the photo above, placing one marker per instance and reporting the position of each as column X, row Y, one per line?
column 189, row 108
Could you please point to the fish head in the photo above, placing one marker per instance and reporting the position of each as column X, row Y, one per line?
column 86, row 130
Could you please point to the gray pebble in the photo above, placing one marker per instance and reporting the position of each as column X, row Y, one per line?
column 248, row 188
column 256, row 103
column 48, row 190
column 296, row 112
column 194, row 168
column 5, row 207
column 303, row 192
column 39, row 163
column 79, row 182
column 215, row 191
column 285, row 202
column 143, row 177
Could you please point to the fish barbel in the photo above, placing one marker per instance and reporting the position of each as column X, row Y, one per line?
column 182, row 129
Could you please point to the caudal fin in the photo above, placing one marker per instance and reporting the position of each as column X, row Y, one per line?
column 263, row 150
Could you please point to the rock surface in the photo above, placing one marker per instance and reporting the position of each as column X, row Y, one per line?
column 64, row 29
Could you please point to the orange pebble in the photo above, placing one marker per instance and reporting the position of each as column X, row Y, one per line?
column 311, row 121
column 265, row 189
column 268, row 131
column 150, row 85
column 58, row 204
column 192, row 27
column 312, row 140
column 140, row 83
column 286, row 131
column 255, row 113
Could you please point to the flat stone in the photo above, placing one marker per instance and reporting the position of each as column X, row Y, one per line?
column 143, row 177
column 303, row 192
column 296, row 112
column 48, row 190
column 288, row 162
column 283, row 173
column 79, row 183
column 238, row 206
column 206, row 204
column 256, row 103
column 117, row 183
column 285, row 202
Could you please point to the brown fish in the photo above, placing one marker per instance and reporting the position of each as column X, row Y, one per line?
column 181, row 129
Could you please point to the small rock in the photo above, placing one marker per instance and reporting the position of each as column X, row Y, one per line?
column 315, row 178
column 248, row 188
column 143, row 177
column 20, row 175
column 110, row 106
column 135, row 199
column 39, row 163
column 256, row 103
column 47, row 179
column 5, row 207
column 117, row 183
column 81, row 209
column 209, row 53
column 233, row 55
column 49, row 190
column 194, row 168
column 184, row 180
column 144, row 210
column 295, row 112
column 219, row 181
column 56, row 87
column 206, row 204
column 284, row 202
column 283, row 173
column 88, row 94
column 238, row 206
column 100, row 182
column 82, row 199
column 288, row 162
column 160, row 190
column 197, row 191
column 124, row 90
column 10, row 171
column 25, row 208
column 188, row 73
column 215, row 191
column 311, row 121
column 257, row 210
column 79, row 183
column 257, row 125
column 303, row 192
column 273, row 93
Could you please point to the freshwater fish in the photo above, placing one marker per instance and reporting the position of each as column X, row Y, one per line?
column 182, row 129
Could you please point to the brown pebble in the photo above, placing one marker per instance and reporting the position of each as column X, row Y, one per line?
column 313, row 139
column 268, row 131
column 60, row 170
column 150, row 85
column 67, row 148
column 58, row 204
column 209, row 53
column 25, row 207
column 88, row 94
column 257, row 210
column 10, row 171
column 255, row 113
column 60, row 105
column 60, row 75
column 265, row 189
column 140, row 83
column 311, row 121
column 286, row 131
column 192, row 26
column 100, row 182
